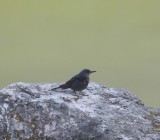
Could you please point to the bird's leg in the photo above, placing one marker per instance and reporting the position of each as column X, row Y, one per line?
column 75, row 93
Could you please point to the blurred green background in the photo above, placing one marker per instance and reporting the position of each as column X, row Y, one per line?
column 50, row 41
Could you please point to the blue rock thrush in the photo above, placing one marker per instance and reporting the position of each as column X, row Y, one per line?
column 78, row 82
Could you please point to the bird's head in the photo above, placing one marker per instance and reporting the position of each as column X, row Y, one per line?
column 86, row 72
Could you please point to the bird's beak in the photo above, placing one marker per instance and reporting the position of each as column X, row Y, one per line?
column 92, row 71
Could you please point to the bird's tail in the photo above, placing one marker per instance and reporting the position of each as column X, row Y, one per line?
column 64, row 86
column 55, row 88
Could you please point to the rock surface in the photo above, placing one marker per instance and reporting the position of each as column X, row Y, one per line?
column 34, row 112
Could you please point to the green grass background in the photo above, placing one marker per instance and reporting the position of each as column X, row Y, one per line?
column 50, row 41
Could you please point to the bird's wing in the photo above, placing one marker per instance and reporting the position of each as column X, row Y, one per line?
column 70, row 82
column 76, row 78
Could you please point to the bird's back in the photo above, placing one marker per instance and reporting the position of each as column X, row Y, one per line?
column 69, row 83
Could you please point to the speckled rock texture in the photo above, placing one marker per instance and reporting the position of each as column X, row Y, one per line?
column 34, row 112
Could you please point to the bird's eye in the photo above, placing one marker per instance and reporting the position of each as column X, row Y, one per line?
column 88, row 71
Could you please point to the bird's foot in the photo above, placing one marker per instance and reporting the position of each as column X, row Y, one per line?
column 66, row 100
column 75, row 94
column 76, row 99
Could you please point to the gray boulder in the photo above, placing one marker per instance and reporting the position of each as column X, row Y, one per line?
column 34, row 112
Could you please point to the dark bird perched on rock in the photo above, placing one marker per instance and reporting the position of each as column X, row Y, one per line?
column 78, row 82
